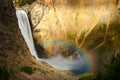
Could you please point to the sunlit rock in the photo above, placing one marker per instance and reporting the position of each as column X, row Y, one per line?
column 69, row 20
column 91, row 25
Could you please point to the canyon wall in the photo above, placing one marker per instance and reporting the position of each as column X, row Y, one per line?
column 92, row 25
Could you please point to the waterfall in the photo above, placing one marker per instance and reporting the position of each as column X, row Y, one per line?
column 77, row 66
column 25, row 28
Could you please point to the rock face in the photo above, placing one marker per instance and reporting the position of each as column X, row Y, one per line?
column 68, row 19
column 14, row 52
column 91, row 25
column 12, row 47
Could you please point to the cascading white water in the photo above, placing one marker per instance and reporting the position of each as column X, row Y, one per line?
column 25, row 28
column 76, row 66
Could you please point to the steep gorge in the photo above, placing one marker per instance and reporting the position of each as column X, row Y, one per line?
column 92, row 28
column 92, row 25
column 15, row 57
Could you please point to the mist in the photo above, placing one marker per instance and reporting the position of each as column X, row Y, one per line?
column 78, row 65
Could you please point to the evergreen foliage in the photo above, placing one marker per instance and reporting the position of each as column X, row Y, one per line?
column 5, row 74
column 23, row 2
column 112, row 71
column 27, row 69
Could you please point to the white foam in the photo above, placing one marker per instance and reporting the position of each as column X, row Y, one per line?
column 25, row 28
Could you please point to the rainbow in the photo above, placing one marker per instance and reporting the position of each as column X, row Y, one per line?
column 77, row 66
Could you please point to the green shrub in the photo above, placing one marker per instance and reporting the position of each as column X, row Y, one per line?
column 4, row 73
column 112, row 71
column 86, row 76
column 23, row 2
column 27, row 69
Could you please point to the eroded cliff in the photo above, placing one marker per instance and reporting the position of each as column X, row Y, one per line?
column 93, row 25
column 16, row 61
